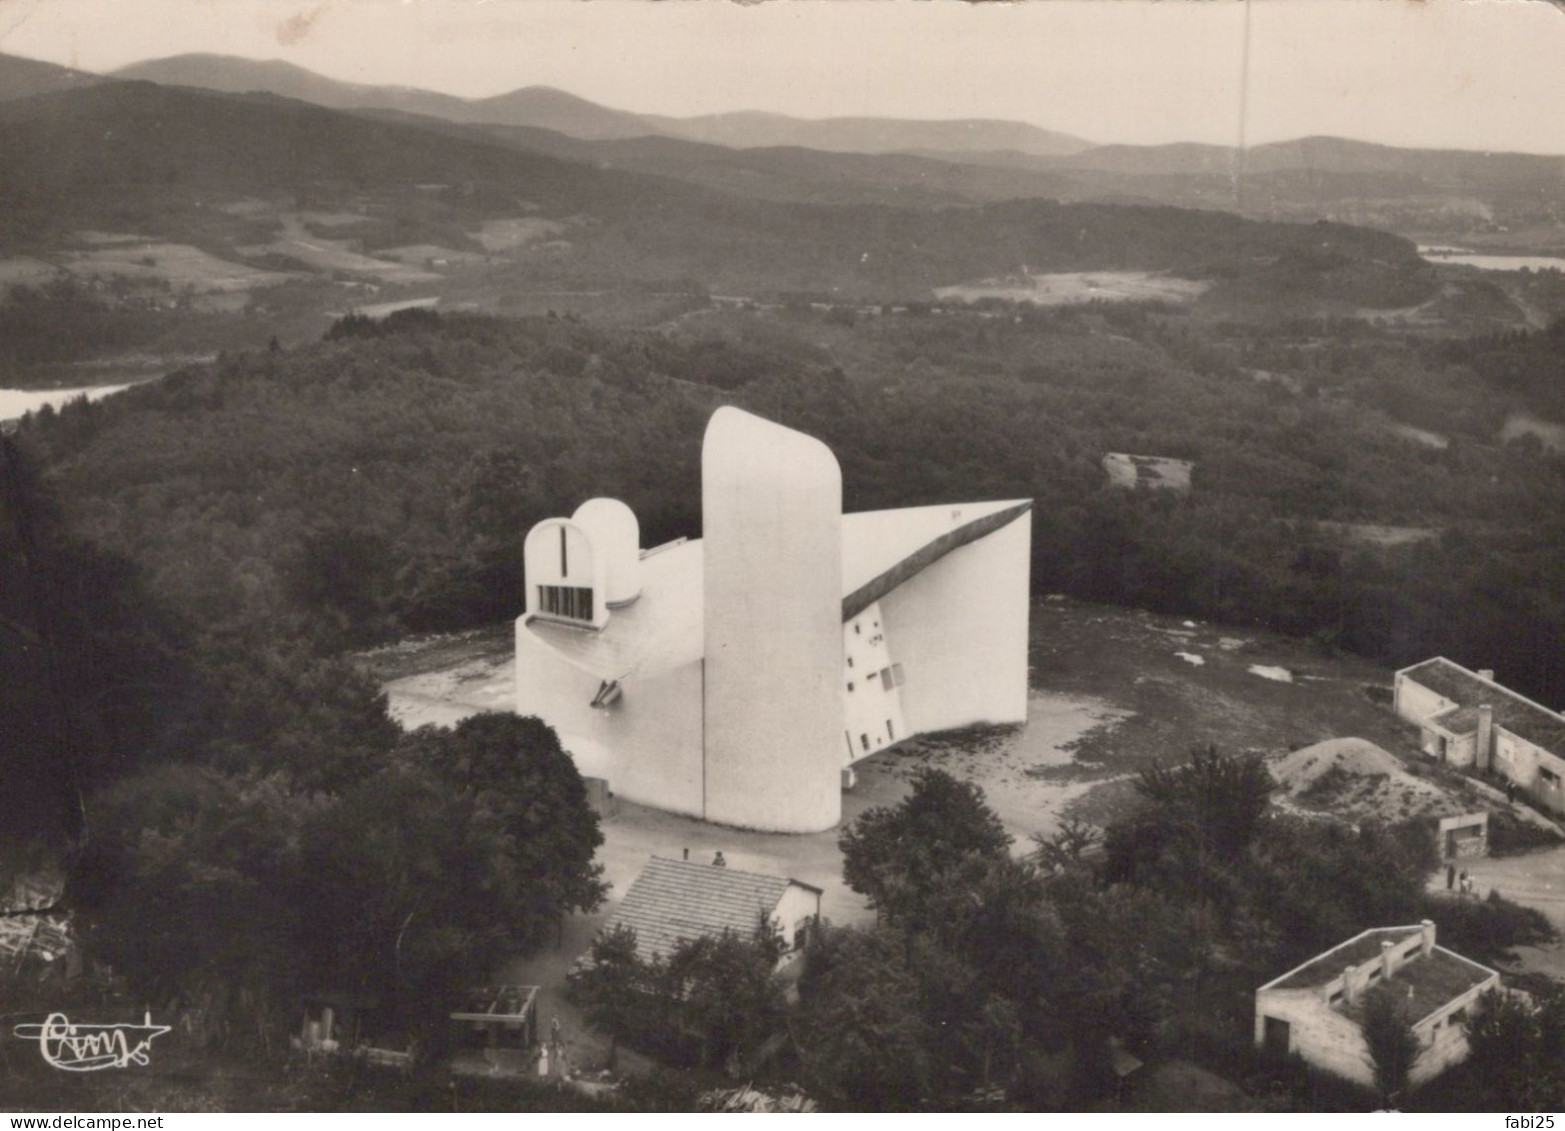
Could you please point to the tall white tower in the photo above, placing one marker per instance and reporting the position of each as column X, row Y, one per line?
column 771, row 503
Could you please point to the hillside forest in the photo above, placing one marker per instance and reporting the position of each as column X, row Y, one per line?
column 188, row 568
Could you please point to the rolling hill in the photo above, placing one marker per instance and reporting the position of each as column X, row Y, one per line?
column 23, row 78
column 783, row 174
column 192, row 167
column 1428, row 193
column 752, row 129
column 542, row 107
column 546, row 108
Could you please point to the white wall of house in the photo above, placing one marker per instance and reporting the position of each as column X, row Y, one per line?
column 1443, row 1036
column 795, row 910
column 1331, row 1041
column 1318, row 1033
column 1531, row 767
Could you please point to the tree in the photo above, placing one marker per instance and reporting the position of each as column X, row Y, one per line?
column 727, row 989
column 863, row 1033
column 1393, row 1046
column 411, row 894
column 512, row 770
column 1516, row 1047
column 614, row 988
column 1217, row 800
column 898, row 855
column 189, row 888
column 91, row 670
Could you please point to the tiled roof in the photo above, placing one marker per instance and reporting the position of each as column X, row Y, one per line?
column 1516, row 713
column 674, row 900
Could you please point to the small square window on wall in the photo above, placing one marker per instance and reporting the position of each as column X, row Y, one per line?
column 850, row 686
column 856, row 629
column 864, row 738
column 885, row 679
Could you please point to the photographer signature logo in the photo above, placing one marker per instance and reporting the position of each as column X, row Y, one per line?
column 87, row 1047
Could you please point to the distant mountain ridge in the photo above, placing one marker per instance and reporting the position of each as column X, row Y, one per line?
column 24, row 78
column 538, row 106
column 748, row 129
column 1428, row 194
column 543, row 107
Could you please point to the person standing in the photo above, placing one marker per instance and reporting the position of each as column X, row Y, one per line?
column 1450, row 876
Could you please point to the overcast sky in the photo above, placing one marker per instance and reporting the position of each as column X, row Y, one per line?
column 1477, row 74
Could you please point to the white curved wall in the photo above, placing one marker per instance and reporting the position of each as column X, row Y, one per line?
column 646, row 745
column 771, row 503
column 557, row 552
column 616, row 539
column 959, row 629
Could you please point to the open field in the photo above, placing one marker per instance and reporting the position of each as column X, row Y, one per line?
column 508, row 234
column 1159, row 472
column 1421, row 436
column 1074, row 287
column 430, row 255
column 331, row 255
column 25, row 271
column 1375, row 534
column 1519, row 424
column 178, row 265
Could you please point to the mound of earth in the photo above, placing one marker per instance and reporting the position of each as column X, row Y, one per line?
column 1354, row 778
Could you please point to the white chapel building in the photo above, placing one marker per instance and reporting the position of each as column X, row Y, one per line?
column 738, row 677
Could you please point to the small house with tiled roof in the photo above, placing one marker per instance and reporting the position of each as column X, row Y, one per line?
column 1317, row 1009
column 675, row 900
column 1466, row 719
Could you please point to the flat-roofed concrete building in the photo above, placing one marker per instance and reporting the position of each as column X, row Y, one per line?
column 738, row 677
column 1317, row 1009
column 1466, row 719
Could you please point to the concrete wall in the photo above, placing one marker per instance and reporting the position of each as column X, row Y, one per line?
column 1326, row 1038
column 583, row 567
column 959, row 629
column 1521, row 761
column 1461, row 749
column 646, row 745
column 1415, row 702
column 771, row 506
column 1321, row 1035
column 1443, row 1036
column 872, row 700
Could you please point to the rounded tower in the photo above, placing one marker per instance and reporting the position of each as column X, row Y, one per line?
column 771, row 504
column 616, row 539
